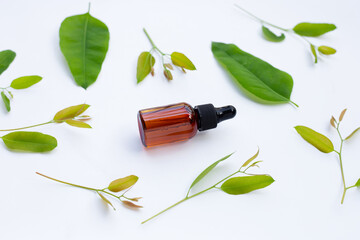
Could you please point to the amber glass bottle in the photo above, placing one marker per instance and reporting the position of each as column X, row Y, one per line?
column 179, row 122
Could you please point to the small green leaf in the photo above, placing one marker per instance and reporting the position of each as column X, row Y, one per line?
column 105, row 200
column 313, row 29
column 77, row 123
column 6, row 58
column 316, row 139
column 326, row 50
column 144, row 65
column 84, row 41
column 270, row 36
column 122, row 183
column 313, row 51
column 357, row 183
column 180, row 60
column 258, row 79
column 29, row 141
column 242, row 185
column 207, row 170
column 70, row 112
column 352, row 134
column 25, row 82
column 250, row 159
column 6, row 101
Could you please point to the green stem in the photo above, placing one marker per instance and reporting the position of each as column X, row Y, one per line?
column 152, row 42
column 293, row 103
column 341, row 163
column 36, row 125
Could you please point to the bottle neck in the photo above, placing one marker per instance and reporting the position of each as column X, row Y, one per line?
column 208, row 116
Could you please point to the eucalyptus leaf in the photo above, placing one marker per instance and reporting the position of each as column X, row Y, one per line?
column 270, row 36
column 352, row 134
column 313, row 51
column 246, row 184
column 144, row 65
column 6, row 101
column 6, row 58
column 84, row 41
column 313, row 29
column 122, row 183
column 77, row 123
column 70, row 112
column 25, row 82
column 321, row 142
column 180, row 60
column 326, row 50
column 207, row 170
column 257, row 78
column 29, row 141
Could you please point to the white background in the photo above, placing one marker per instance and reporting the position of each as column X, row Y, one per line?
column 303, row 202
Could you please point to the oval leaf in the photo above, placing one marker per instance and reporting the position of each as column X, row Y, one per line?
column 70, row 112
column 316, row 139
column 144, row 65
column 270, row 36
column 25, row 82
column 105, row 200
column 313, row 29
column 313, row 51
column 77, row 123
column 29, row 141
column 242, row 185
column 256, row 77
column 122, row 183
column 352, row 134
column 84, row 41
column 207, row 170
column 6, row 58
column 327, row 50
column 6, row 101
column 180, row 60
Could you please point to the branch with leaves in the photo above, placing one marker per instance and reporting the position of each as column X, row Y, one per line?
column 6, row 58
column 324, row 144
column 146, row 62
column 230, row 185
column 302, row 30
column 38, row 142
column 115, row 186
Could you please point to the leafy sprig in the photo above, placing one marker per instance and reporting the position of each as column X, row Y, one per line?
column 6, row 58
column 38, row 142
column 325, row 145
column 115, row 186
column 302, row 30
column 229, row 184
column 146, row 62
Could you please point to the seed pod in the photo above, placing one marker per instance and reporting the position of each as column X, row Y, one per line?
column 131, row 205
column 332, row 121
column 168, row 74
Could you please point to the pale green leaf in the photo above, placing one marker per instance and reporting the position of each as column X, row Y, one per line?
column 352, row 134
column 180, row 60
column 313, row 29
column 246, row 184
column 144, row 65
column 25, row 82
column 70, row 112
column 122, row 183
column 77, row 123
column 6, row 101
column 29, row 141
column 321, row 142
column 106, row 201
column 313, row 51
column 6, row 58
column 251, row 159
column 270, row 36
column 326, row 50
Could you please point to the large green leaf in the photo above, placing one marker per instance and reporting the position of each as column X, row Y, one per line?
column 84, row 41
column 6, row 101
column 6, row 58
column 242, row 185
column 270, row 36
column 145, row 62
column 70, row 112
column 29, row 141
column 25, row 82
column 321, row 142
column 313, row 29
column 256, row 77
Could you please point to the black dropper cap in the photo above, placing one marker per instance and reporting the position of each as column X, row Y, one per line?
column 209, row 116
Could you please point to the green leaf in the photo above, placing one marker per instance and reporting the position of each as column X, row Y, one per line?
column 313, row 51
column 326, row 50
column 313, row 29
column 70, row 112
column 242, row 185
column 180, row 60
column 316, row 139
column 106, row 201
column 25, row 82
column 29, row 141
column 6, row 58
column 122, row 183
column 6, row 101
column 352, row 134
column 270, row 36
column 207, row 170
column 84, row 41
column 77, row 123
column 251, row 159
column 257, row 78
column 357, row 184
column 145, row 62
